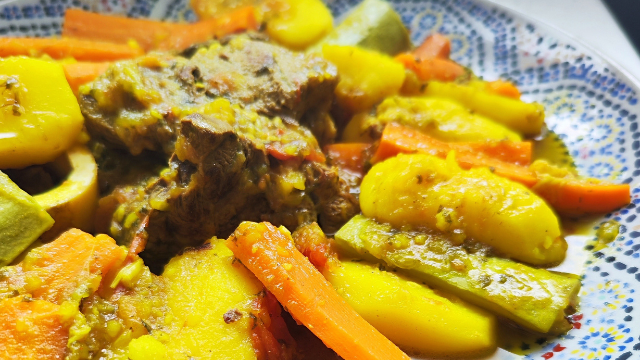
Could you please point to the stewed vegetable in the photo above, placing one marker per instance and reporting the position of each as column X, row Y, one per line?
column 266, row 184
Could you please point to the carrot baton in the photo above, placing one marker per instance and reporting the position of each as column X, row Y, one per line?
column 74, row 260
column 515, row 152
column 184, row 35
column 350, row 156
column 503, row 88
column 504, row 157
column 59, row 48
column 434, row 46
column 431, row 68
column 430, row 60
column 149, row 34
column 239, row 20
column 32, row 329
column 271, row 255
column 154, row 35
column 398, row 138
column 517, row 173
column 180, row 36
column 577, row 197
column 81, row 73
column 567, row 195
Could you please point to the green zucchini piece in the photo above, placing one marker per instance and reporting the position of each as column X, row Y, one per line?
column 535, row 299
column 372, row 25
column 22, row 220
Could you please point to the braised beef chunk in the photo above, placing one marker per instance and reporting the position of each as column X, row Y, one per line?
column 125, row 106
column 239, row 122
column 333, row 196
column 117, row 167
column 266, row 78
column 138, row 104
column 228, row 167
column 200, row 195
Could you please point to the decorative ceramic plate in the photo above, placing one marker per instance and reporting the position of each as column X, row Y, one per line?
column 591, row 105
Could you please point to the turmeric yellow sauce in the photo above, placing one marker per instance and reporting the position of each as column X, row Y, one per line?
column 435, row 211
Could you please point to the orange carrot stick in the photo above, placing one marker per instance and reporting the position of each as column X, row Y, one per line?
column 432, row 68
column 71, row 259
column 185, row 35
column 31, row 329
column 81, row 73
column 270, row 254
column 502, row 157
column 517, row 173
column 150, row 34
column 397, row 139
column 59, row 48
column 434, row 46
column 503, row 88
column 239, row 20
column 350, row 156
column 576, row 197
column 68, row 263
column 568, row 196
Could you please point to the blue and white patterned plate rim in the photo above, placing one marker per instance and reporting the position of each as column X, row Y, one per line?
column 551, row 28
column 590, row 100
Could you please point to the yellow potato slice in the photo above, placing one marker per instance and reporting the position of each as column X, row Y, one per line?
column 300, row 24
column 39, row 118
column 204, row 284
column 366, row 77
column 411, row 315
column 421, row 190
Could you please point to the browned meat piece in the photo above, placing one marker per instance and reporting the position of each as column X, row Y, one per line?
column 229, row 117
column 138, row 104
column 224, row 172
column 117, row 167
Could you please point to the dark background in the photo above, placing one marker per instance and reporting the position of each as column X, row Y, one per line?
column 627, row 13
